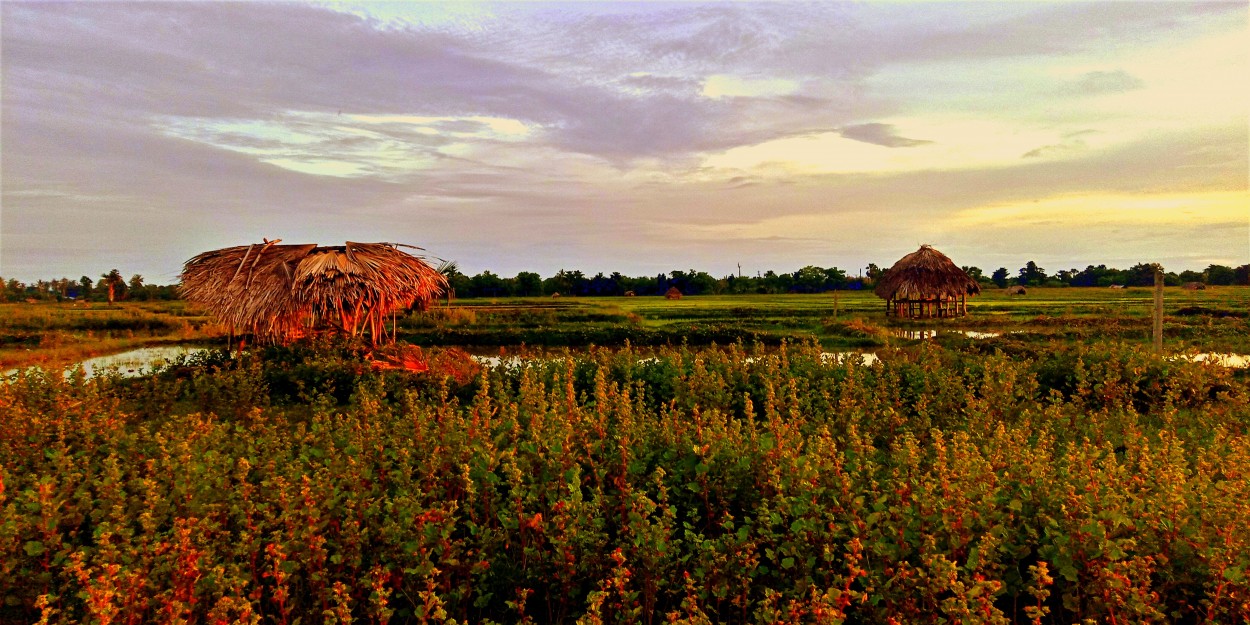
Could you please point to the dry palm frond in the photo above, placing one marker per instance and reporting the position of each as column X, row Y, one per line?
column 278, row 292
column 925, row 274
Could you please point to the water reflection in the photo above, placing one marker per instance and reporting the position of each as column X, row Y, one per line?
column 921, row 335
column 1234, row 361
column 864, row 358
column 136, row 362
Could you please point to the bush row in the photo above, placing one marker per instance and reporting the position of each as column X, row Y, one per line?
column 675, row 485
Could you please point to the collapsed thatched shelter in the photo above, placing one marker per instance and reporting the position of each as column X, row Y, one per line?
column 672, row 293
column 1016, row 289
column 1194, row 286
column 280, row 292
column 926, row 283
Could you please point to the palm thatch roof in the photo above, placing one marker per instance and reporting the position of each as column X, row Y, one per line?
column 278, row 292
column 925, row 275
column 672, row 293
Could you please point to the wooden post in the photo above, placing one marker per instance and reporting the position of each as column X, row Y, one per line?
column 1158, row 329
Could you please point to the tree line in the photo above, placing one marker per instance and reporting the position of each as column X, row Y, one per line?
column 811, row 279
column 111, row 286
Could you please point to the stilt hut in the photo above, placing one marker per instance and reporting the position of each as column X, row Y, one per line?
column 279, row 293
column 926, row 284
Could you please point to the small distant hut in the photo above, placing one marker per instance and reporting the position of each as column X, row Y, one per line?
column 1194, row 286
column 672, row 293
column 629, row 293
column 1016, row 289
column 926, row 284
column 279, row 293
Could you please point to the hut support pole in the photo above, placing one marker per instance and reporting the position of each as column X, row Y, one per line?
column 1158, row 316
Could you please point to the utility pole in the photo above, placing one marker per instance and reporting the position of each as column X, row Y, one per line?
column 1158, row 317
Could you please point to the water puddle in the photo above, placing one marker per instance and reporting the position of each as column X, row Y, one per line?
column 137, row 362
column 923, row 335
column 973, row 334
column 865, row 358
column 1233, row 361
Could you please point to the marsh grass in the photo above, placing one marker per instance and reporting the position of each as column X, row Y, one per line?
column 54, row 335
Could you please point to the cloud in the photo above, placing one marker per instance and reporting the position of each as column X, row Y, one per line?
column 879, row 134
column 536, row 136
column 1101, row 82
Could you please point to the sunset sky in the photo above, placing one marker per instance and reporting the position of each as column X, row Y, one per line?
column 639, row 138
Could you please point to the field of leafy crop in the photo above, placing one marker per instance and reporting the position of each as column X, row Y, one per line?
column 1071, row 482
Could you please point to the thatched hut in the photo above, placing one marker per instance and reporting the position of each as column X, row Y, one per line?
column 1194, row 286
column 1016, row 289
column 926, row 283
column 672, row 293
column 280, row 292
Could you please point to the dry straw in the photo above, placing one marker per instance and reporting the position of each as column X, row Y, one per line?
column 281, row 292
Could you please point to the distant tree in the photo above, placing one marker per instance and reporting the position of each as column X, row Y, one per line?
column 873, row 272
column 1000, row 277
column 564, row 282
column 487, row 284
column 136, row 288
column 457, row 283
column 601, row 285
column 809, row 279
column 1098, row 276
column 1241, row 275
column 1141, row 274
column 1066, row 275
column 85, row 283
column 974, row 273
column 702, row 282
column 1190, row 275
column 1221, row 275
column 528, row 284
column 114, row 281
column 1032, row 275
column 14, row 290
column 836, row 278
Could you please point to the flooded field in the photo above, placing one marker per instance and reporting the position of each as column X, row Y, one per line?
column 135, row 362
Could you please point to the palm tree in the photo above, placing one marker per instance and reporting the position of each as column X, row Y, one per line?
column 113, row 279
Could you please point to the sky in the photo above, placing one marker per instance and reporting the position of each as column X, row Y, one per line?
column 639, row 138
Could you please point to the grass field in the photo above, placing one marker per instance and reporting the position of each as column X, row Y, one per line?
column 1211, row 320
column 54, row 335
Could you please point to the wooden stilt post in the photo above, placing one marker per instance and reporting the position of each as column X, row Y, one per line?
column 1158, row 316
